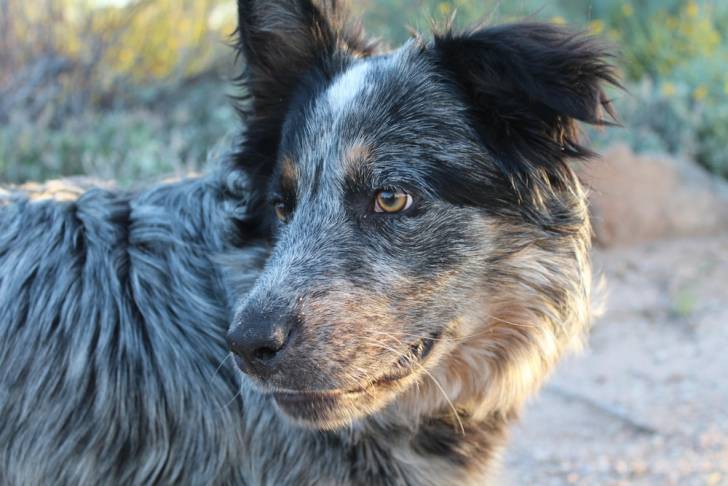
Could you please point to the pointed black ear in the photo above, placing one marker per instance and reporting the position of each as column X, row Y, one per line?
column 527, row 85
column 282, row 44
column 282, row 39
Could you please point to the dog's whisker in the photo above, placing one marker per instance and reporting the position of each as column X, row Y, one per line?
column 449, row 338
column 235, row 397
column 217, row 370
column 511, row 323
column 447, row 398
column 416, row 336
column 437, row 385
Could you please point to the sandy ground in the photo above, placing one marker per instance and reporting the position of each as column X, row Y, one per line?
column 647, row 402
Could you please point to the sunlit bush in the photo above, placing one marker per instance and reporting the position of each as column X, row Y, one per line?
column 675, row 54
column 141, row 38
column 658, row 37
column 66, row 56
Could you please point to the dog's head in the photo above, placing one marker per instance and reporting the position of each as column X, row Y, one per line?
column 426, row 230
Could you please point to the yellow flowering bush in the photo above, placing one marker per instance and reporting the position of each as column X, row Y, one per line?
column 104, row 40
column 661, row 36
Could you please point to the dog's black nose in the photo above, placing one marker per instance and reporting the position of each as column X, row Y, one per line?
column 259, row 340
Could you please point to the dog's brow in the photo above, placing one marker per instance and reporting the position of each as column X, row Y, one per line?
column 356, row 161
column 289, row 174
column 356, row 154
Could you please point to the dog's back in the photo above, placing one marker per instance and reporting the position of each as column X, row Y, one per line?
column 111, row 322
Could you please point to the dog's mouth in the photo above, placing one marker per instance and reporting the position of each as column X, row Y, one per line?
column 325, row 407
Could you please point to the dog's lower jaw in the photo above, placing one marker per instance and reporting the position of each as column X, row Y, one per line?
column 327, row 411
column 447, row 429
column 437, row 442
column 336, row 408
column 390, row 446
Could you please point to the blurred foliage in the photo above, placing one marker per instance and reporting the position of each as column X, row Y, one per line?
column 393, row 20
column 659, row 37
column 144, row 39
column 67, row 56
column 116, row 89
column 675, row 60
column 134, row 144
column 673, row 55
column 673, row 117
column 134, row 88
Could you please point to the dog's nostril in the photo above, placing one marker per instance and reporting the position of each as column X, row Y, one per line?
column 265, row 353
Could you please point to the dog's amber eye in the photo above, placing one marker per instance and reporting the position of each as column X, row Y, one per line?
column 391, row 202
column 281, row 211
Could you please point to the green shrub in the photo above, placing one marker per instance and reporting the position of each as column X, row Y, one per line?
column 672, row 117
column 712, row 133
column 390, row 19
column 125, row 144
column 658, row 37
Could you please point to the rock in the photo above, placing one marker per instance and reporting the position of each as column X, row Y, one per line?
column 639, row 198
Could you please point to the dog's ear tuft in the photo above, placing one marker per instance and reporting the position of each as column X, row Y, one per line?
column 282, row 40
column 527, row 85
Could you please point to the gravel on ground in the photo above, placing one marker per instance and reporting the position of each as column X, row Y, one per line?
column 647, row 401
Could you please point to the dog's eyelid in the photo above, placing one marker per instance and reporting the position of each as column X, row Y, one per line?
column 395, row 187
column 282, row 211
column 282, row 196
column 276, row 195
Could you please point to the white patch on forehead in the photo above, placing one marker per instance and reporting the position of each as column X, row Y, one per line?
column 347, row 85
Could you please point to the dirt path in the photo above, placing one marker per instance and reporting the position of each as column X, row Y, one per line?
column 647, row 402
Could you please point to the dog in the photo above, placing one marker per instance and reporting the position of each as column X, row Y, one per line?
column 395, row 252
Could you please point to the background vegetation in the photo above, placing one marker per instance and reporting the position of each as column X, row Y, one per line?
column 132, row 89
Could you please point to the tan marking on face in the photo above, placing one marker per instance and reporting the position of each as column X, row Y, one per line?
column 356, row 153
column 289, row 173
